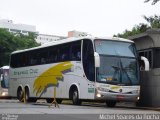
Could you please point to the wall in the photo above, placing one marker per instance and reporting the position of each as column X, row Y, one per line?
column 150, row 88
column 150, row 81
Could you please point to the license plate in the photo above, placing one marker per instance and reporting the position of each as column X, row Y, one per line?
column 120, row 97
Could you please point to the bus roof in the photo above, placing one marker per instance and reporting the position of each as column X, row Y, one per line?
column 71, row 39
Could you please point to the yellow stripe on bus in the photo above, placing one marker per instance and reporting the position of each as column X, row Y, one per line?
column 50, row 77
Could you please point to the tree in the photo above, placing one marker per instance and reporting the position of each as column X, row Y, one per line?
column 153, row 1
column 10, row 42
column 153, row 21
column 135, row 30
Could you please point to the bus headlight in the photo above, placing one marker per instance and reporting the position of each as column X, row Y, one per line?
column 4, row 93
column 98, row 95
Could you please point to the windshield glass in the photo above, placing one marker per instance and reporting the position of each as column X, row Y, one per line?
column 116, row 70
column 117, row 48
column 4, row 78
column 118, row 63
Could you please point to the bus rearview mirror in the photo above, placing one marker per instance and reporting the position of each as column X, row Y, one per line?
column 146, row 63
column 97, row 59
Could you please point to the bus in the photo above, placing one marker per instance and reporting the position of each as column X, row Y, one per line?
column 81, row 69
column 4, row 74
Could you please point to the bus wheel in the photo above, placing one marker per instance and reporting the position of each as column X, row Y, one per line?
column 110, row 103
column 75, row 97
column 20, row 94
column 28, row 98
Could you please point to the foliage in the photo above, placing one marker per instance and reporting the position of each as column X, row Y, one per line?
column 153, row 21
column 10, row 42
column 153, row 1
column 135, row 30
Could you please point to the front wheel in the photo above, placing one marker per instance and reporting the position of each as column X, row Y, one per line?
column 110, row 103
column 75, row 97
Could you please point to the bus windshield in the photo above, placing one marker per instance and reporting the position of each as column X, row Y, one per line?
column 118, row 62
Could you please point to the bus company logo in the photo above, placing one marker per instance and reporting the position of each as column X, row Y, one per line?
column 26, row 72
column 52, row 75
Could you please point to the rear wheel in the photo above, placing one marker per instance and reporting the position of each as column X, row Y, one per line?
column 20, row 94
column 110, row 103
column 75, row 97
column 27, row 95
column 28, row 98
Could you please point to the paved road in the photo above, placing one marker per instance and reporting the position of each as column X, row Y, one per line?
column 40, row 111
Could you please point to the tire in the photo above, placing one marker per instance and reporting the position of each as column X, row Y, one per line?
column 28, row 98
column 110, row 103
column 27, row 95
column 75, row 97
column 20, row 94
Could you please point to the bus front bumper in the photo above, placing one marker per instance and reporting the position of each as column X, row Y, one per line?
column 103, row 96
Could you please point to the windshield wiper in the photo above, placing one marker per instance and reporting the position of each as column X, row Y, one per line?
column 116, row 67
column 124, row 70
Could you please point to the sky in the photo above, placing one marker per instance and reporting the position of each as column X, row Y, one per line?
column 96, row 17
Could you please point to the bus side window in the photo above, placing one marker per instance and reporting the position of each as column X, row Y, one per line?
column 88, row 60
column 76, row 51
column 65, row 52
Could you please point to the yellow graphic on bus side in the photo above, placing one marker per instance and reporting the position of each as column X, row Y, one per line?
column 50, row 77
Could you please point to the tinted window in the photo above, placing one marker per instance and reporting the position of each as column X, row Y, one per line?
column 65, row 52
column 76, row 51
column 59, row 53
column 88, row 60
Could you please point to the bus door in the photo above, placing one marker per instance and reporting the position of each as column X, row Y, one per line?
column 88, row 66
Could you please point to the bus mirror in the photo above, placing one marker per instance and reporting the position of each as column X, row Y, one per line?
column 97, row 59
column 146, row 63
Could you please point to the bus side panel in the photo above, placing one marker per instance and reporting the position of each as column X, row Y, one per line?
column 43, row 76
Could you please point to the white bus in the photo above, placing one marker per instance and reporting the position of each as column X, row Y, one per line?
column 87, row 68
column 4, row 74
